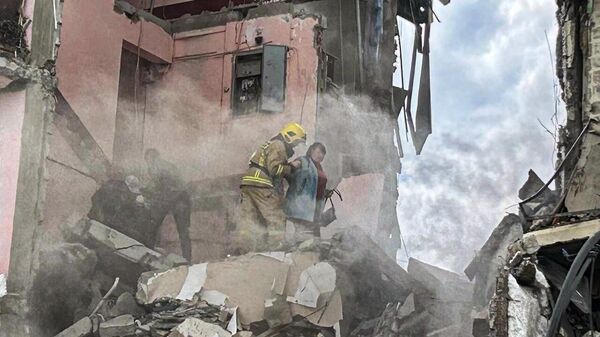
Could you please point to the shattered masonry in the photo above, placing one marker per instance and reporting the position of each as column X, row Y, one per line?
column 537, row 269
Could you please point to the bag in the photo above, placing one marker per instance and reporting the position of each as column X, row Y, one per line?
column 329, row 216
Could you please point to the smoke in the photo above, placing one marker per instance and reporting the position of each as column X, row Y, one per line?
column 490, row 87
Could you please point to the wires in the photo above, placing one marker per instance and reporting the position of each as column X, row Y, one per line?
column 584, row 258
column 557, row 171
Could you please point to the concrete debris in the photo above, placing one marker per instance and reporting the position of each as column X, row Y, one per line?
column 243, row 334
column 168, row 313
column 592, row 334
column 321, row 288
column 16, row 70
column 407, row 308
column 533, row 266
column 119, row 326
column 316, row 281
column 82, row 328
column 531, row 186
column 442, row 283
column 535, row 240
column 527, row 307
column 491, row 257
column 525, row 272
column 440, row 311
column 118, row 254
column 126, row 304
column 193, row 327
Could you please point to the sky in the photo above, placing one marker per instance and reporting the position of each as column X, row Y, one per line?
column 493, row 84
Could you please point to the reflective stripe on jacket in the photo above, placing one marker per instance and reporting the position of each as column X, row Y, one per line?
column 268, row 163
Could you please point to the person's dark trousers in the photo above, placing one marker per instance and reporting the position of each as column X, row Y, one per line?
column 180, row 206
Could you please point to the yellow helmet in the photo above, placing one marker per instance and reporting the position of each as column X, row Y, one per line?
column 293, row 132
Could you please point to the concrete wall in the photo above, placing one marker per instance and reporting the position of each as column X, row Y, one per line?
column 11, row 122
column 88, row 64
column 89, row 58
column 579, row 72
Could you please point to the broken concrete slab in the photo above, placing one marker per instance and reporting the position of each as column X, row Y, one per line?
column 82, row 328
column 444, row 284
column 121, row 326
column 526, row 307
column 483, row 268
column 246, row 281
column 118, row 254
column 407, row 308
column 532, row 186
column 533, row 241
column 155, row 285
column 331, row 284
column 193, row 327
column 317, row 280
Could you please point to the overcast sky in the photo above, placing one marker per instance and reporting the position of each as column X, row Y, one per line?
column 492, row 78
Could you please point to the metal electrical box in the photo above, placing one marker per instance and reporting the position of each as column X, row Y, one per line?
column 273, row 78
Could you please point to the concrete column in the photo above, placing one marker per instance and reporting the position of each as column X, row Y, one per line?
column 31, row 182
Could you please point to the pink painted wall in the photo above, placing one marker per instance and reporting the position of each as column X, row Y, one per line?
column 12, row 110
column 88, row 66
column 89, row 57
column 189, row 115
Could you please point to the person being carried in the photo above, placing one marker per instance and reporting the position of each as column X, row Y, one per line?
column 261, row 224
column 167, row 194
column 305, row 197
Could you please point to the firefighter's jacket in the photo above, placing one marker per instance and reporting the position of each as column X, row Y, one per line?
column 268, row 164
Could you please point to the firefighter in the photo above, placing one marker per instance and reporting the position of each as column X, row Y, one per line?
column 261, row 224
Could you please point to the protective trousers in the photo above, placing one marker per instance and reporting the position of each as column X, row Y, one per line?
column 179, row 204
column 261, row 224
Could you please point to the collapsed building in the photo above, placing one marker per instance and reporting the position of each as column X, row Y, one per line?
column 536, row 275
column 87, row 87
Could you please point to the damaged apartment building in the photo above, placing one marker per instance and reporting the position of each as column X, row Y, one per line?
column 537, row 274
column 86, row 87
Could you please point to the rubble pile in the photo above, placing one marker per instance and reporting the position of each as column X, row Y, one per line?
column 524, row 266
column 336, row 287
